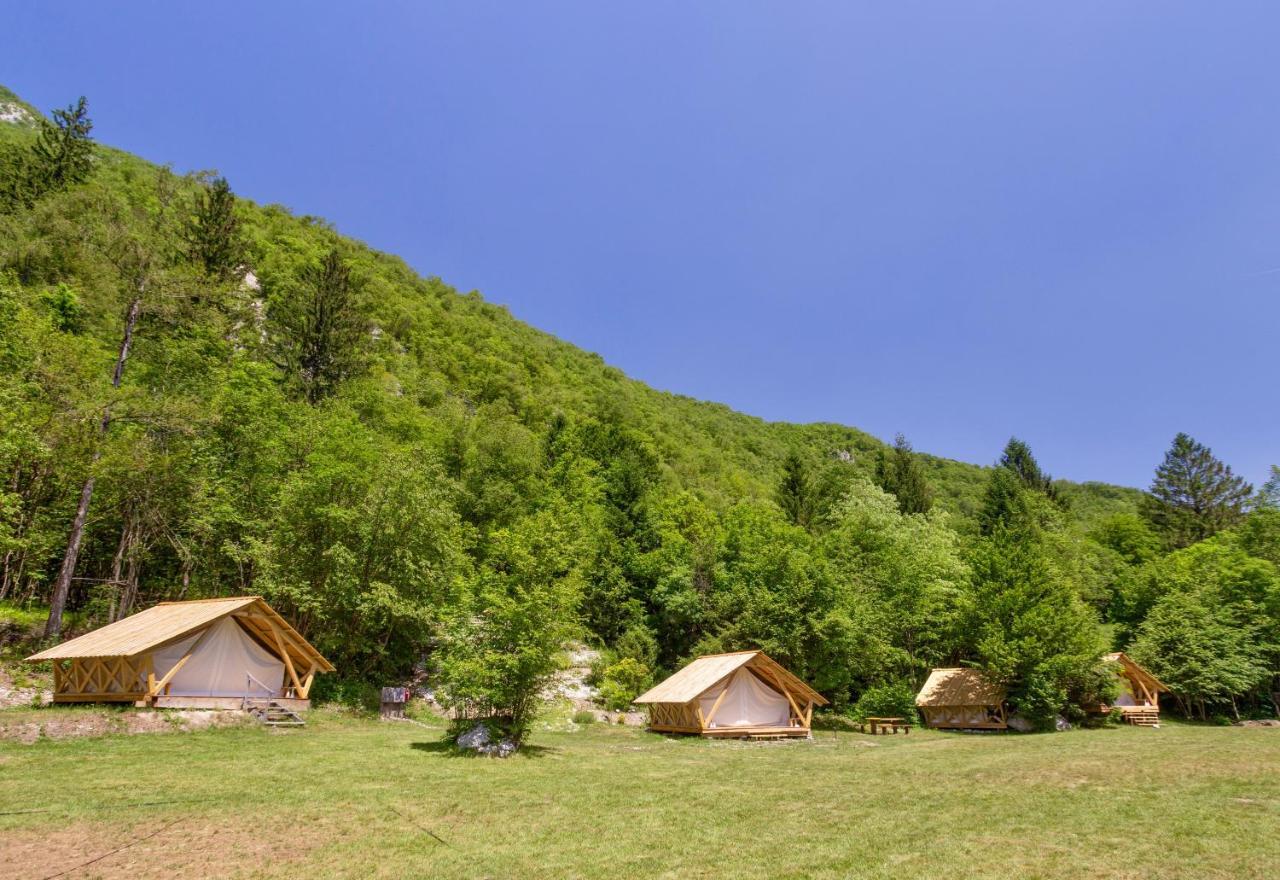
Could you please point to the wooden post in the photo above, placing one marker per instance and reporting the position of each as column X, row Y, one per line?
column 284, row 653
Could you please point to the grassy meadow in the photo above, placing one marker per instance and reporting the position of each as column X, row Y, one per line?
column 351, row 797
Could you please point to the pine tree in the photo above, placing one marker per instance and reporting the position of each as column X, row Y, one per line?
column 795, row 492
column 61, row 156
column 900, row 473
column 1194, row 495
column 1270, row 494
column 213, row 233
column 1017, row 471
column 319, row 328
column 64, row 153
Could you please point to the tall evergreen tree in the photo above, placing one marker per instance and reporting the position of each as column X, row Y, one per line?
column 1270, row 494
column 319, row 328
column 61, row 156
column 795, row 493
column 1194, row 495
column 214, row 241
column 900, row 473
column 1016, row 471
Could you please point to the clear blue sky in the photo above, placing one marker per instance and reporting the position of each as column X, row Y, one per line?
column 957, row 220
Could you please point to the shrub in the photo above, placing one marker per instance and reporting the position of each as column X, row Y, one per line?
column 584, row 716
column 623, row 682
column 896, row 699
column 350, row 692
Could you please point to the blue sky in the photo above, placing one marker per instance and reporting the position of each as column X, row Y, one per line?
column 957, row 220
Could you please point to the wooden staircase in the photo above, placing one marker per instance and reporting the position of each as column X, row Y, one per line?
column 1143, row 717
column 269, row 713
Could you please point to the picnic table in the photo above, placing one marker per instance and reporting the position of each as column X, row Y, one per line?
column 888, row 725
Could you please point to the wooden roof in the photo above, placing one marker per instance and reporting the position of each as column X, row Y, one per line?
column 170, row 622
column 959, row 687
column 709, row 670
column 1135, row 670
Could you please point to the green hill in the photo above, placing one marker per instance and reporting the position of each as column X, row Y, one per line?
column 362, row 507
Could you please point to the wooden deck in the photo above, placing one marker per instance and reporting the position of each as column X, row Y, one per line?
column 173, row 702
column 757, row 732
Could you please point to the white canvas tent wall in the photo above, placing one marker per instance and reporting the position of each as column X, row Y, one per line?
column 210, row 653
column 225, row 663
column 740, row 694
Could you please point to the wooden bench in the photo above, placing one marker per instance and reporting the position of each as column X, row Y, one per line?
column 886, row 725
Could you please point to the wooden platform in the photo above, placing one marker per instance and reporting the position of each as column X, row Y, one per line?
column 757, row 732
column 172, row 702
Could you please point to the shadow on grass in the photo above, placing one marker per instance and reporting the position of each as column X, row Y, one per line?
column 447, row 750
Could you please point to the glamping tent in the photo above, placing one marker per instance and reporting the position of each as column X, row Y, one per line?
column 1139, row 699
column 211, row 653
column 744, row 694
column 961, row 699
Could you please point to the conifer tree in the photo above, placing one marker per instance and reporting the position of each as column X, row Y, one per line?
column 900, row 473
column 64, row 152
column 213, row 233
column 1270, row 494
column 1194, row 495
column 319, row 328
column 795, row 493
column 62, row 156
column 1016, row 471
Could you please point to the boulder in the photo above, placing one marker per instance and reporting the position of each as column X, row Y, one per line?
column 1020, row 724
column 478, row 740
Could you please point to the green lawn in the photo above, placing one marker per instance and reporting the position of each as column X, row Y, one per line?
column 354, row 798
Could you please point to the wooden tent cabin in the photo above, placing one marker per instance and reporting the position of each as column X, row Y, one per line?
column 1139, row 699
column 205, row 654
column 961, row 699
column 744, row 694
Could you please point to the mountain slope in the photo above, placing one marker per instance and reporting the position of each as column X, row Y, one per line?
column 361, row 511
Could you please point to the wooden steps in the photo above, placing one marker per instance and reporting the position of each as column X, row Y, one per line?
column 1142, row 717
column 269, row 713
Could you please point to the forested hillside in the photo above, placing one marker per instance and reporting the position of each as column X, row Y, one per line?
column 204, row 396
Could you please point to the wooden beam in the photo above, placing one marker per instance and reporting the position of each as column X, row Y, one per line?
column 182, row 661
column 716, row 705
column 284, row 653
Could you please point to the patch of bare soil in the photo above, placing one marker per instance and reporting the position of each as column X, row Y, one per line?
column 155, row 846
column 55, row 726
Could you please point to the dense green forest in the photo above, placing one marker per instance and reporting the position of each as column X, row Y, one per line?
column 202, row 396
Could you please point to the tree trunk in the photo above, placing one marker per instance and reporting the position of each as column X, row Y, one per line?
column 62, row 587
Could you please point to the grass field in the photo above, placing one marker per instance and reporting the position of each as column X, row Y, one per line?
column 348, row 797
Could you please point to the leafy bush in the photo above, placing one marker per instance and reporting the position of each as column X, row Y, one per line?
column 894, row 700
column 351, row 692
column 623, row 682
column 584, row 716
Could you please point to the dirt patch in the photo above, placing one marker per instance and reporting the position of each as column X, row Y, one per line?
column 1265, row 722
column 155, row 846
column 79, row 724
